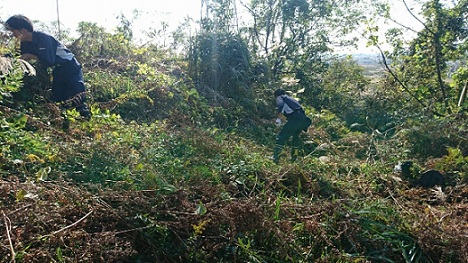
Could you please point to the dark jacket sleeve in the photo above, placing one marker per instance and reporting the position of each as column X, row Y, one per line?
column 46, row 48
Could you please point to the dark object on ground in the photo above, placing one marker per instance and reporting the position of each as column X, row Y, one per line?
column 404, row 168
column 431, row 178
column 427, row 179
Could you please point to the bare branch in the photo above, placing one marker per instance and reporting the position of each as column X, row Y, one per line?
column 8, row 229
column 72, row 225
column 419, row 20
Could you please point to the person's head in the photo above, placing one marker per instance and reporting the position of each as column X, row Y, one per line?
column 20, row 26
column 279, row 92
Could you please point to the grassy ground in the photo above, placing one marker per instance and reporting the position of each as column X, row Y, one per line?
column 114, row 191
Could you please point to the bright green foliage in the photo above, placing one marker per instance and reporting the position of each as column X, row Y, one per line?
column 11, row 84
column 423, row 67
column 12, row 71
column 23, row 153
column 455, row 163
column 342, row 90
column 293, row 36
column 432, row 137
column 95, row 42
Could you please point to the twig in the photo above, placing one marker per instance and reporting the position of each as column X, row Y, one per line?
column 69, row 226
column 395, row 200
column 8, row 229
column 133, row 229
column 21, row 208
column 415, row 17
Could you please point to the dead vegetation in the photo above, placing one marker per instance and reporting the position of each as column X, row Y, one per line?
column 65, row 222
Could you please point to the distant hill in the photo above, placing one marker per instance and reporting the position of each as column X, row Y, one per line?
column 367, row 58
column 371, row 62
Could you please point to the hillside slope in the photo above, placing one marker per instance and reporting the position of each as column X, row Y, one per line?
column 161, row 173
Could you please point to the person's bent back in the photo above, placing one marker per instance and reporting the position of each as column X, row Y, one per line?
column 68, row 88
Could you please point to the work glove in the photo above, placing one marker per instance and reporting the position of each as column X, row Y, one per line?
column 278, row 122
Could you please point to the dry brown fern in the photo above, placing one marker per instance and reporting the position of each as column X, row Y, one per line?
column 7, row 64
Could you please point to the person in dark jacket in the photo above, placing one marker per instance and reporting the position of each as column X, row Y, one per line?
column 297, row 121
column 68, row 88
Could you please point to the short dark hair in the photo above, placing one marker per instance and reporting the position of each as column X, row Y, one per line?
column 279, row 92
column 18, row 22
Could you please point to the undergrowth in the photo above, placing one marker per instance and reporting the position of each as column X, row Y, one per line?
column 161, row 173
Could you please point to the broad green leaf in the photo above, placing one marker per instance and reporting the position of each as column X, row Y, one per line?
column 201, row 209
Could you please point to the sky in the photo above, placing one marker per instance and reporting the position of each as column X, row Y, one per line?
column 105, row 12
column 102, row 12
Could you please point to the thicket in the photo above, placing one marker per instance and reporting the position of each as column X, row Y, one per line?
column 174, row 165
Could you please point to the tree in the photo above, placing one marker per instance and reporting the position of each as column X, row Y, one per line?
column 295, row 35
column 421, row 68
column 343, row 91
column 221, row 61
column 218, row 57
column 219, row 15
column 95, row 42
column 283, row 39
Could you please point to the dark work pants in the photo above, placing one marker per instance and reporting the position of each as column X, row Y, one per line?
column 67, row 81
column 68, row 87
column 296, row 123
